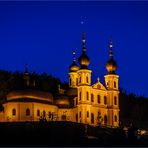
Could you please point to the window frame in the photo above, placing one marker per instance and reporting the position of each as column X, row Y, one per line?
column 27, row 112
column 13, row 112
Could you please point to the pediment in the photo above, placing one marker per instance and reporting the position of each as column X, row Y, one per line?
column 99, row 85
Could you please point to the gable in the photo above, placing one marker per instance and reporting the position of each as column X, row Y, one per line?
column 99, row 86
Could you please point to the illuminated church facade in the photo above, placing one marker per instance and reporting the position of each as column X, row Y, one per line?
column 95, row 104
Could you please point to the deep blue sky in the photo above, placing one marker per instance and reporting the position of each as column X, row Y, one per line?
column 44, row 34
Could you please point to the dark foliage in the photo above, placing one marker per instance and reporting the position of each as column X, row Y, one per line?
column 14, row 81
column 133, row 109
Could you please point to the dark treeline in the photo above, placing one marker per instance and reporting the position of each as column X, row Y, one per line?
column 132, row 108
column 10, row 81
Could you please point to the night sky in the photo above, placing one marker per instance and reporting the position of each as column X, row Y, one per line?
column 44, row 34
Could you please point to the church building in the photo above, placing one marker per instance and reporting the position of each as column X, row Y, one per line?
column 84, row 102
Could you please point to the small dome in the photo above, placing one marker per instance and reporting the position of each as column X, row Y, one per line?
column 111, row 66
column 63, row 101
column 84, row 60
column 73, row 67
column 72, row 92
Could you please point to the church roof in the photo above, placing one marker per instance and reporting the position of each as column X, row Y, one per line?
column 71, row 92
column 32, row 94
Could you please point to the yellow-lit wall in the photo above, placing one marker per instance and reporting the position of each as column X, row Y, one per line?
column 67, row 112
column 86, row 109
column 21, row 108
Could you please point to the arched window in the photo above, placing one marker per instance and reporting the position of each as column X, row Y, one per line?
column 105, row 100
column 38, row 112
column 98, row 97
column 76, row 101
column 115, row 100
column 114, row 84
column 77, row 81
column 44, row 113
column 80, row 80
column 80, row 95
column 92, row 98
column 87, row 95
column 105, row 119
column 13, row 111
column 115, row 118
column 49, row 114
column 27, row 112
column 80, row 114
column 87, row 113
column 76, row 117
column 87, row 79
column 92, row 118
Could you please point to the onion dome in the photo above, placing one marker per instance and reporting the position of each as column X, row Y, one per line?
column 111, row 65
column 84, row 60
column 74, row 67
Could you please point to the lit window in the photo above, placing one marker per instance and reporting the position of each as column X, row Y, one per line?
column 99, row 101
column 38, row 112
column 13, row 112
column 76, row 117
column 80, row 80
column 80, row 114
column 27, row 112
column 92, row 98
column 114, row 84
column 115, row 118
column 105, row 100
column 87, row 79
column 87, row 113
column 77, row 81
column 76, row 101
column 44, row 113
column 49, row 114
column 92, row 118
column 105, row 119
column 87, row 95
column 115, row 100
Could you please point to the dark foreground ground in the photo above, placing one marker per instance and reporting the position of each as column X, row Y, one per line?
column 64, row 134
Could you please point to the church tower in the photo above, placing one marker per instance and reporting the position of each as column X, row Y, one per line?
column 73, row 76
column 84, row 85
column 111, row 82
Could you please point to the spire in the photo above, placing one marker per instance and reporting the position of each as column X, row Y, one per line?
column 84, row 60
column 74, row 56
column 111, row 64
column 26, row 69
column 26, row 76
column 74, row 67
column 83, row 42
column 111, row 50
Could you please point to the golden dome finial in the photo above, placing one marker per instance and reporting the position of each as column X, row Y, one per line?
column 111, row 50
column 74, row 56
column 74, row 67
column 111, row 65
column 83, row 42
column 84, row 60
